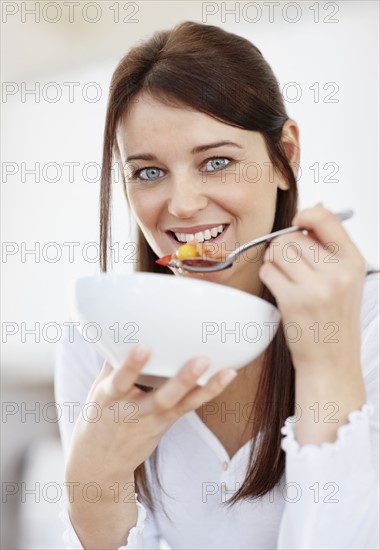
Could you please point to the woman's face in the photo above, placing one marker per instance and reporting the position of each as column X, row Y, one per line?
column 189, row 176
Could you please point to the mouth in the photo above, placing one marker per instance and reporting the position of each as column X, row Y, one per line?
column 213, row 235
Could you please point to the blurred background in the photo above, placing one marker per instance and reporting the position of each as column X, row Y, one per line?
column 57, row 62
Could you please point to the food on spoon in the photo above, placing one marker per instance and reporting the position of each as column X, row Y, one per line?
column 188, row 250
column 192, row 249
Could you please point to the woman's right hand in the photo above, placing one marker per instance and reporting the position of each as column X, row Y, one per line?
column 128, row 422
column 126, row 428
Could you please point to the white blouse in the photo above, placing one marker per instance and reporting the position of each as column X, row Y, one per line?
column 328, row 497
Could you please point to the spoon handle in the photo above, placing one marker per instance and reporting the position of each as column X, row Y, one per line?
column 344, row 215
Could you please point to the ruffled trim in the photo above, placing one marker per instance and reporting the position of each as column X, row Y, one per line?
column 355, row 419
column 69, row 536
column 72, row 542
column 134, row 537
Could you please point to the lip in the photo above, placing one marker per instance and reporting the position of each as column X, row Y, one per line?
column 194, row 228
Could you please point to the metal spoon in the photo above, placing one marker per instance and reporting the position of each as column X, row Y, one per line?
column 209, row 265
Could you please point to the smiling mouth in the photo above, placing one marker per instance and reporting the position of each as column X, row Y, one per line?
column 207, row 236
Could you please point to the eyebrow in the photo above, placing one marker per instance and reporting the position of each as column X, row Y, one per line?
column 198, row 149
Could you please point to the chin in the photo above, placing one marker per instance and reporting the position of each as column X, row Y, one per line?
column 220, row 277
column 244, row 278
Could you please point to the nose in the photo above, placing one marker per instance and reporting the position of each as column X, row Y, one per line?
column 186, row 199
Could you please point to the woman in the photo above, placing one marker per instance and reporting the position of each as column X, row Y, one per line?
column 198, row 124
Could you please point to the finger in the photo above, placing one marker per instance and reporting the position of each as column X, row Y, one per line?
column 289, row 257
column 318, row 254
column 107, row 368
column 276, row 281
column 171, row 392
column 298, row 256
column 124, row 377
column 105, row 371
column 326, row 226
column 206, row 393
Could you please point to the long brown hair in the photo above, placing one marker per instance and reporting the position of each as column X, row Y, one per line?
column 224, row 76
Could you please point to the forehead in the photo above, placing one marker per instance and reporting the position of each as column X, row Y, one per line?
column 148, row 121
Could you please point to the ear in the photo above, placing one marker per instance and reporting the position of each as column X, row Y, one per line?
column 290, row 143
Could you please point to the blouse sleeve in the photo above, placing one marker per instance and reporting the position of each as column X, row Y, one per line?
column 332, row 492
column 77, row 366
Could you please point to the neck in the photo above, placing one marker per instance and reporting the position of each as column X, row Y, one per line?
column 242, row 390
column 246, row 278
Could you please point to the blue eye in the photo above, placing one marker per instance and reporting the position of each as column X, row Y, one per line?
column 152, row 174
column 217, row 163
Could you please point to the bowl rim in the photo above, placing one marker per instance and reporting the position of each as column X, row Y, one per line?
column 180, row 280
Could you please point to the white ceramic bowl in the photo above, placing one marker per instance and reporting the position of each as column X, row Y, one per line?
column 177, row 317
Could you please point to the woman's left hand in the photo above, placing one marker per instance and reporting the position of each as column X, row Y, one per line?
column 317, row 280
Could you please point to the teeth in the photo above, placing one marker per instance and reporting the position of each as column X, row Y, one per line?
column 201, row 235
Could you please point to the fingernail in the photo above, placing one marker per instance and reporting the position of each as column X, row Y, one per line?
column 200, row 365
column 227, row 377
column 140, row 352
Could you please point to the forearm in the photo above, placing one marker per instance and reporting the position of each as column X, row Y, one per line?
column 106, row 523
column 324, row 400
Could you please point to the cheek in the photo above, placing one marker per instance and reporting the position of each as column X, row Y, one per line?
column 246, row 197
column 143, row 206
